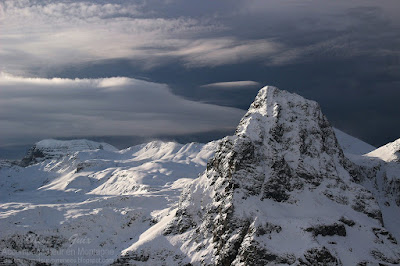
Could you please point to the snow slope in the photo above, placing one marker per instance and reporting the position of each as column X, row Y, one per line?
column 82, row 205
column 352, row 145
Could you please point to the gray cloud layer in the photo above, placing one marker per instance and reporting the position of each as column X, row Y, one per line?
column 47, row 34
column 34, row 108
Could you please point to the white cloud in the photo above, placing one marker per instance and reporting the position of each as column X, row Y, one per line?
column 232, row 84
column 46, row 34
column 225, row 51
column 35, row 108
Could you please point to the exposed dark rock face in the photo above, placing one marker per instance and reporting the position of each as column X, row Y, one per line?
column 11, row 261
column 282, row 172
column 347, row 221
column 383, row 233
column 33, row 243
column 319, row 256
column 328, row 230
column 33, row 156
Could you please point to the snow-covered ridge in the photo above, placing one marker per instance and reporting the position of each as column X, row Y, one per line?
column 51, row 148
column 389, row 152
column 68, row 146
column 172, row 151
column 99, row 168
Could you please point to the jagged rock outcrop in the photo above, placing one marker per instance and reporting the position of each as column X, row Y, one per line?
column 280, row 191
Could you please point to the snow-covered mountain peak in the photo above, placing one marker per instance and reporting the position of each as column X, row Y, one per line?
column 73, row 145
column 280, row 191
column 52, row 148
column 389, row 152
column 270, row 99
column 276, row 112
column 289, row 128
column 268, row 109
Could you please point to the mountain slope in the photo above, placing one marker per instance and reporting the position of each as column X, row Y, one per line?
column 381, row 176
column 83, row 205
column 279, row 191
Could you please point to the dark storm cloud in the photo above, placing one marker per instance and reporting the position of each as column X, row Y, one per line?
column 344, row 54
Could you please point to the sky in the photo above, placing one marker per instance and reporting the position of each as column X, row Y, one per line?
column 147, row 68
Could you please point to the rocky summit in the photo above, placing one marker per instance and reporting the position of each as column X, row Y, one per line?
column 280, row 191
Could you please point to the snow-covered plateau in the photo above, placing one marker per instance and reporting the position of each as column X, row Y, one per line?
column 285, row 189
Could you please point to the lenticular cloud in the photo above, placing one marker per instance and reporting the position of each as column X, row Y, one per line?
column 57, row 107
